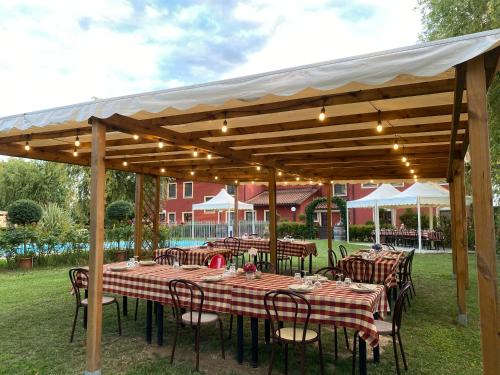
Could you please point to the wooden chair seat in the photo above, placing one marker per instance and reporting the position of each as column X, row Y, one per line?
column 383, row 327
column 287, row 334
column 206, row 318
column 105, row 300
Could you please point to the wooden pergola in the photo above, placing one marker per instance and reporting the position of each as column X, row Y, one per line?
column 275, row 137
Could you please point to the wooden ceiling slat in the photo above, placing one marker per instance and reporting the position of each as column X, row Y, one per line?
column 460, row 71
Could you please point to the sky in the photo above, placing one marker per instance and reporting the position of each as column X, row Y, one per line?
column 55, row 53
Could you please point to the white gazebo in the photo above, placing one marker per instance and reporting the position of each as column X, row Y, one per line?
column 419, row 195
column 384, row 191
column 223, row 201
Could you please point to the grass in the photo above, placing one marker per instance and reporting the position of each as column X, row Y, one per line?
column 36, row 312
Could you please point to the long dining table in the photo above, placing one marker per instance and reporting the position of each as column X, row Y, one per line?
column 331, row 304
column 199, row 254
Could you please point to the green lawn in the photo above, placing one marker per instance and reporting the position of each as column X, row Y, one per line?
column 36, row 312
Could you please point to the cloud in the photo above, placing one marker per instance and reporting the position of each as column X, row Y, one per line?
column 62, row 52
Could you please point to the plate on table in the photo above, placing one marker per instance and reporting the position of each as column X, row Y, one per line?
column 147, row 262
column 363, row 288
column 300, row 288
column 321, row 279
column 190, row 267
column 213, row 278
column 118, row 268
column 363, row 251
column 388, row 257
column 356, row 256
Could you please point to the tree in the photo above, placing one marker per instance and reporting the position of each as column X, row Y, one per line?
column 120, row 211
column 24, row 212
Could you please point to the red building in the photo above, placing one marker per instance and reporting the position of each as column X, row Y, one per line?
column 291, row 202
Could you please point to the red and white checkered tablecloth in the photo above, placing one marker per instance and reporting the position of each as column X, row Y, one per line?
column 385, row 269
column 198, row 255
column 295, row 248
column 331, row 304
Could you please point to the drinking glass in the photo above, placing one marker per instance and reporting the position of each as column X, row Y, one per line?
column 317, row 285
column 176, row 264
column 340, row 279
column 347, row 281
column 297, row 277
column 232, row 268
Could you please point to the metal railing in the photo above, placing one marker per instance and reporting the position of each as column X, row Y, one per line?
column 209, row 229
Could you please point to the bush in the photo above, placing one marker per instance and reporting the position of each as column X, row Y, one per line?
column 24, row 211
column 302, row 218
column 296, row 230
column 119, row 212
column 360, row 233
column 410, row 219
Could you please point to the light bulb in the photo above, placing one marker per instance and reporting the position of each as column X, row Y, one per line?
column 195, row 153
column 160, row 144
column 297, row 178
column 310, row 182
column 286, row 182
column 27, row 146
column 75, row 153
column 403, row 159
column 136, row 137
column 224, row 126
column 331, row 182
column 320, row 184
column 415, row 176
column 407, row 164
column 395, row 146
column 77, row 142
column 258, row 167
column 209, row 156
column 253, row 182
column 216, row 178
column 235, row 181
column 379, row 128
column 371, row 181
column 192, row 173
column 280, row 173
column 125, row 163
column 322, row 114
column 162, row 170
column 412, row 171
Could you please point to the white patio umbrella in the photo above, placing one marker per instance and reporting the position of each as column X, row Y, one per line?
column 384, row 191
column 222, row 201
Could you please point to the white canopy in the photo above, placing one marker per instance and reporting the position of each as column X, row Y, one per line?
column 426, row 194
column 222, row 201
column 398, row 66
column 382, row 192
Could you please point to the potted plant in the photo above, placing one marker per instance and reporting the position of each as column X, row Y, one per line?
column 24, row 214
column 119, row 214
column 249, row 269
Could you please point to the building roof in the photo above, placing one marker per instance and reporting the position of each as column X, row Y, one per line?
column 284, row 197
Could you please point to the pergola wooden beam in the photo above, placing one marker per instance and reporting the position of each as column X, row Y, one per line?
column 457, row 103
column 51, row 134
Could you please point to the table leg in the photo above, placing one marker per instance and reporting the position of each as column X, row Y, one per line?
column 254, row 328
column 310, row 264
column 149, row 320
column 302, row 266
column 159, row 323
column 239, row 338
column 267, row 331
column 85, row 311
column 376, row 354
column 362, row 356
column 125, row 306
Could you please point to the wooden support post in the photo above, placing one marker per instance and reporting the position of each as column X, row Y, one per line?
column 483, row 216
column 460, row 243
column 329, row 230
column 236, row 221
column 96, row 255
column 139, row 198
column 453, row 231
column 156, row 217
column 272, row 219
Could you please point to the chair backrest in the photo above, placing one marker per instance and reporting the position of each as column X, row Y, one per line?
column 187, row 295
column 217, row 261
column 77, row 276
column 410, row 256
column 388, row 246
column 330, row 272
column 232, row 243
column 168, row 259
column 265, row 266
column 281, row 247
column 180, row 254
column 360, row 270
column 287, row 308
column 332, row 258
column 343, row 251
column 397, row 314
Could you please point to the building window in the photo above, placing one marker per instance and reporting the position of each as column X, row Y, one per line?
column 206, row 199
column 249, row 215
column 317, row 218
column 369, row 186
column 171, row 218
column 187, row 217
column 340, row 189
column 230, row 189
column 172, row 190
column 188, row 190
column 266, row 215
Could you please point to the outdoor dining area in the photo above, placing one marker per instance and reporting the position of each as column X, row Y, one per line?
column 312, row 124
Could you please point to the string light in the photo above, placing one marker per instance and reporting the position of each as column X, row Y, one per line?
column 77, row 141
column 191, row 173
column 195, row 153
column 371, row 181
column 235, row 181
column 407, row 164
column 404, row 159
column 415, row 176
column 297, row 178
column 280, row 173
column 253, row 182
column 395, row 145
column 322, row 114
column 136, row 137
column 209, row 156
column 27, row 146
column 224, row 124
column 75, row 152
column 379, row 122
column 320, row 184
column 412, row 171
column 216, row 177
column 162, row 170
column 331, row 182
column 125, row 163
column 286, row 182
column 160, row 144
column 310, row 182
column 258, row 167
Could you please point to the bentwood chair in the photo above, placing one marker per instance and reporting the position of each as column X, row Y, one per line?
column 333, row 272
column 405, row 273
column 78, row 276
column 283, row 259
column 332, row 258
column 234, row 244
column 360, row 270
column 265, row 266
column 180, row 254
column 285, row 328
column 390, row 329
column 343, row 251
column 188, row 298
